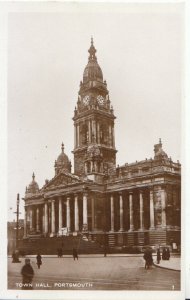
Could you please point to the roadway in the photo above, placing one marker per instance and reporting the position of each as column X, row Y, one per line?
column 95, row 273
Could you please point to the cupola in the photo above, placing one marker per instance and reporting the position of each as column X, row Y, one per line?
column 62, row 163
column 159, row 152
column 33, row 187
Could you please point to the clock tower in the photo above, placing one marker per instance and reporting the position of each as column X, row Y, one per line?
column 94, row 141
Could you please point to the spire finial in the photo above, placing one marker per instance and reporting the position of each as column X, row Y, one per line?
column 33, row 176
column 62, row 147
column 160, row 141
column 92, row 50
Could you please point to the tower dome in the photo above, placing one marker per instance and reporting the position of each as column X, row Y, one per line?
column 33, row 187
column 92, row 70
column 62, row 163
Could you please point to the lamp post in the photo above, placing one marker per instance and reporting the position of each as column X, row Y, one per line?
column 17, row 219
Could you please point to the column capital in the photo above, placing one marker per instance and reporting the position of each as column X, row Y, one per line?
column 151, row 188
column 130, row 192
column 120, row 193
column 85, row 193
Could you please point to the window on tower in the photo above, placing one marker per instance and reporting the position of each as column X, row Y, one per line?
column 84, row 134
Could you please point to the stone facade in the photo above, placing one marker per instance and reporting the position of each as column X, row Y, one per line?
column 133, row 204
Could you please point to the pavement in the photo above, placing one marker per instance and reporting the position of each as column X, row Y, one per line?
column 174, row 263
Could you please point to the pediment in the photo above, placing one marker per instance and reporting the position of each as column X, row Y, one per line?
column 62, row 179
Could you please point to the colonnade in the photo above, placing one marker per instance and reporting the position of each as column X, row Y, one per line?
column 51, row 220
column 141, row 211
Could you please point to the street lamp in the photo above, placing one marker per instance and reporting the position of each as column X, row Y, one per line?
column 17, row 219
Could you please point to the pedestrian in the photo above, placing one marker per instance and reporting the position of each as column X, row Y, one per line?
column 167, row 253
column 39, row 260
column 148, row 258
column 27, row 275
column 15, row 257
column 158, row 256
column 105, row 251
column 164, row 255
column 59, row 252
column 75, row 254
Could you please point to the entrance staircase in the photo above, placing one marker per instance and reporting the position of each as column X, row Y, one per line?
column 67, row 243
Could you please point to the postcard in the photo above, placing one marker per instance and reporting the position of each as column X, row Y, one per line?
column 93, row 107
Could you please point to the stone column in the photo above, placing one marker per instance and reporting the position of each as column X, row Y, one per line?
column 46, row 218
column 25, row 222
column 52, row 217
column 89, row 131
column 31, row 219
column 110, row 135
column 68, row 214
column 92, row 166
column 152, row 210
column 85, row 168
column 98, row 132
column 96, row 166
column 75, row 136
column 131, row 211
column 78, row 135
column 121, row 211
column 94, row 130
column 60, row 213
column 112, row 212
column 76, row 214
column 85, row 211
column 37, row 219
column 163, row 201
column 113, row 137
column 141, row 211
column 175, row 206
column 43, row 220
column 93, row 216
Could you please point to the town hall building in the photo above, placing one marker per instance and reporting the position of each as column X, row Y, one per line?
column 134, row 204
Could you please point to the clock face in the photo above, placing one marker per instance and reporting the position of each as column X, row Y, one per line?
column 100, row 99
column 86, row 100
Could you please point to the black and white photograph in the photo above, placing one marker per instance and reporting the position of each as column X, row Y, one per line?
column 95, row 97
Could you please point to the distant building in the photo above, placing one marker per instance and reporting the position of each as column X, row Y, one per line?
column 11, row 234
column 133, row 204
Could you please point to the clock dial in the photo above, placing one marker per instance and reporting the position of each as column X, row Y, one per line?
column 100, row 99
column 86, row 100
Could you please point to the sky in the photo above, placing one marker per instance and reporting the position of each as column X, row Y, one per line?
column 140, row 52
